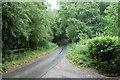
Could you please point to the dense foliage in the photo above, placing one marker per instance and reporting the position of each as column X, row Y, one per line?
column 25, row 25
column 82, row 20
column 77, row 53
column 25, row 29
column 101, row 52
column 105, row 52
column 32, row 25
column 111, row 19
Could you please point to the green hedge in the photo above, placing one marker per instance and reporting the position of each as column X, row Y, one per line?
column 105, row 51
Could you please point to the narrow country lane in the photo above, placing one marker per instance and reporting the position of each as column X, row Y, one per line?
column 35, row 35
column 54, row 65
column 38, row 68
column 66, row 70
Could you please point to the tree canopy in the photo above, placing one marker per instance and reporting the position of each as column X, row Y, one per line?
column 33, row 25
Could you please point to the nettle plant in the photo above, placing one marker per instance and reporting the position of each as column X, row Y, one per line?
column 105, row 51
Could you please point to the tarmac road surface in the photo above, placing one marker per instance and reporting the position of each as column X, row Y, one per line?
column 38, row 68
column 54, row 65
column 65, row 70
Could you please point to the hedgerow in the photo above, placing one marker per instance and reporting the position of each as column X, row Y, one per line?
column 105, row 51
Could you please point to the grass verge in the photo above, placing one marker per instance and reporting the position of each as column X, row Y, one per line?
column 27, row 57
column 77, row 54
column 80, row 55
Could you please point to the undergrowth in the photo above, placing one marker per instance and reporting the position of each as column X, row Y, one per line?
column 77, row 54
column 102, row 53
column 15, row 60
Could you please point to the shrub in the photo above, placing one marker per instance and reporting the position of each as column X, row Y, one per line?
column 105, row 51
column 77, row 53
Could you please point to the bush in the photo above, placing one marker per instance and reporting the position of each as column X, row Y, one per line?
column 77, row 53
column 105, row 51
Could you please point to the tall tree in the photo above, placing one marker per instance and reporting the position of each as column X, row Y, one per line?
column 111, row 19
column 81, row 20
